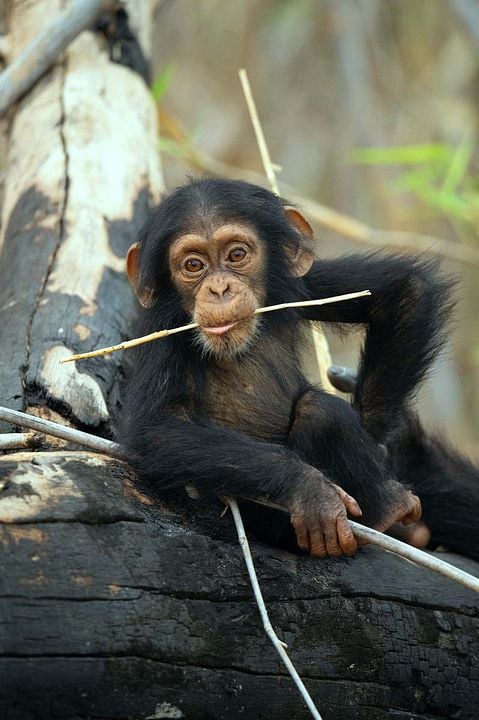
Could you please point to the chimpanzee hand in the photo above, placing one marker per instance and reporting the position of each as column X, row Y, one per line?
column 405, row 508
column 319, row 516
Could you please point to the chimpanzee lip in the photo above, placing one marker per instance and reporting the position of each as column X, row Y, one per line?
column 219, row 329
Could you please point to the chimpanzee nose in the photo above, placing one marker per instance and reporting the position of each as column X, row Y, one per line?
column 219, row 287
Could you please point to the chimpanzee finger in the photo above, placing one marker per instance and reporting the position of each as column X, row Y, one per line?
column 416, row 534
column 346, row 537
column 318, row 546
column 349, row 502
column 331, row 536
column 414, row 513
column 301, row 530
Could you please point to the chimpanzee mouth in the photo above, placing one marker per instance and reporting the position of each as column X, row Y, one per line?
column 220, row 329
column 228, row 340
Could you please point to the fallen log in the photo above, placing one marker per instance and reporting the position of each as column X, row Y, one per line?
column 117, row 605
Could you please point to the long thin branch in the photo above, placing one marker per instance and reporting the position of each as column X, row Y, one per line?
column 41, row 53
column 278, row 644
column 416, row 556
column 159, row 334
column 48, row 427
column 17, row 441
column 363, row 533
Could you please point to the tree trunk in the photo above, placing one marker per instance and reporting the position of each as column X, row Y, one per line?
column 112, row 604
column 82, row 170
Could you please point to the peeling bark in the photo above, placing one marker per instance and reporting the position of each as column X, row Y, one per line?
column 82, row 172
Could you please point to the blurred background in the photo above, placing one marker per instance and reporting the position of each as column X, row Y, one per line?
column 371, row 108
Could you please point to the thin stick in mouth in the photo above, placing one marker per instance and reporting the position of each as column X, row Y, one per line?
column 164, row 333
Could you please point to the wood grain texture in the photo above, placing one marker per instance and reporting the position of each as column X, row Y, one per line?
column 113, row 604
column 83, row 169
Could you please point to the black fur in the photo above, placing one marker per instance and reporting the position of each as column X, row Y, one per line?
column 167, row 426
column 446, row 482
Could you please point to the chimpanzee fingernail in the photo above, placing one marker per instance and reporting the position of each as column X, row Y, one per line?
column 337, row 370
column 356, row 506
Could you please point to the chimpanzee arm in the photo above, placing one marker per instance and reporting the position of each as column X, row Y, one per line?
column 172, row 452
column 406, row 316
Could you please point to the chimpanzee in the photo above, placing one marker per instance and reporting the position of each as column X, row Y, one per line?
column 227, row 408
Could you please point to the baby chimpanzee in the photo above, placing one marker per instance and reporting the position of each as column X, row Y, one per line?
column 226, row 406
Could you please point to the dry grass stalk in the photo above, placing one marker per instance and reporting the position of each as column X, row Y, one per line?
column 320, row 345
column 164, row 333
column 260, row 139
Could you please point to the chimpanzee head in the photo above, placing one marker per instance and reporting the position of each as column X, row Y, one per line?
column 220, row 249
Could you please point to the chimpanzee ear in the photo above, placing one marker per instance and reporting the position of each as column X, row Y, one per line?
column 145, row 297
column 301, row 257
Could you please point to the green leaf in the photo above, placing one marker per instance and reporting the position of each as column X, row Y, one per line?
column 402, row 155
column 171, row 147
column 162, row 82
column 459, row 165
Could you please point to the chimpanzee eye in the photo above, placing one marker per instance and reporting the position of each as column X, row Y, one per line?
column 237, row 255
column 193, row 265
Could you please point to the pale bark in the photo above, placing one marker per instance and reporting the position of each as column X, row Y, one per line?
column 82, row 170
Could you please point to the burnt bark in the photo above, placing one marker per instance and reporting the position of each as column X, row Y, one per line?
column 114, row 605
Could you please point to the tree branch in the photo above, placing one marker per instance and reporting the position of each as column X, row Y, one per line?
column 42, row 52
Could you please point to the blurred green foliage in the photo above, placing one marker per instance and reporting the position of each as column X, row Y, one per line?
column 162, row 82
column 441, row 176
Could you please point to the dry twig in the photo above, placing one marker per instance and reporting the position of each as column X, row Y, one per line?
column 278, row 644
column 48, row 427
column 164, row 333
column 320, row 344
column 17, row 441
column 260, row 139
column 43, row 51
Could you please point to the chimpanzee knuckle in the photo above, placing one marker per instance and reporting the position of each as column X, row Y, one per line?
column 346, row 539
column 349, row 546
column 296, row 522
column 317, row 541
column 342, row 493
column 335, row 551
column 302, row 542
column 328, row 519
column 302, row 538
column 318, row 549
column 335, row 512
column 345, row 530
column 311, row 523
column 332, row 545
